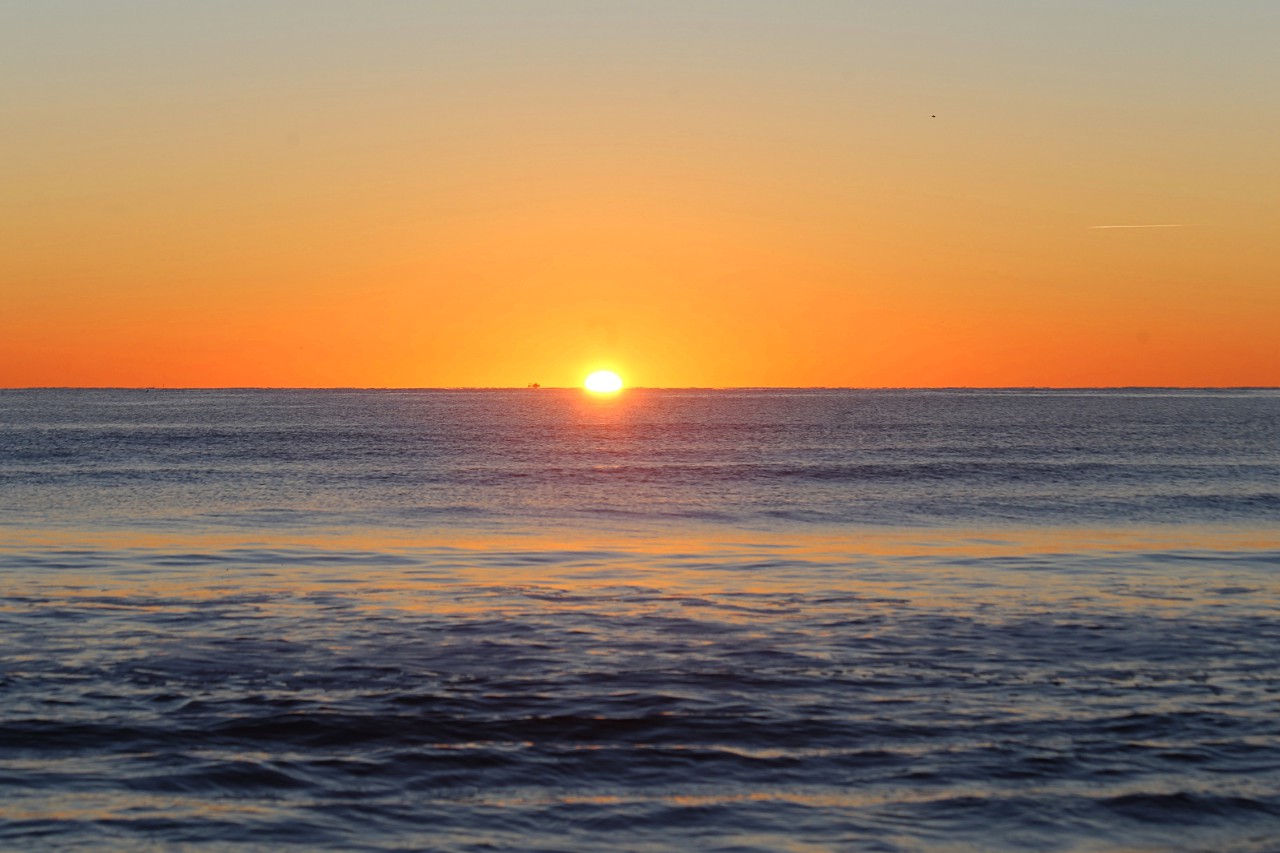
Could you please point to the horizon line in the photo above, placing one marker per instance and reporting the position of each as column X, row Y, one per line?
column 641, row 388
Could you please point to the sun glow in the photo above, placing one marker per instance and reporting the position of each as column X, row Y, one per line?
column 603, row 382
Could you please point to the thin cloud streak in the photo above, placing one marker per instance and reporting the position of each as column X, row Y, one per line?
column 1139, row 226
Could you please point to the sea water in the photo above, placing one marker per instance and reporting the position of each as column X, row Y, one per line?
column 540, row 620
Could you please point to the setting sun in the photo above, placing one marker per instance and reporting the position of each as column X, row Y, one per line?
column 603, row 382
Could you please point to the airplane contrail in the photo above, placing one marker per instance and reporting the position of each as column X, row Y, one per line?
column 1140, row 226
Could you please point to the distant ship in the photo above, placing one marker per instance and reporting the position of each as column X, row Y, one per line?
column 534, row 385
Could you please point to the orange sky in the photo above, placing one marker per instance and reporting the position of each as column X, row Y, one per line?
column 710, row 194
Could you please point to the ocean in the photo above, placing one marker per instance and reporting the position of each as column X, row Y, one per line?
column 739, row 620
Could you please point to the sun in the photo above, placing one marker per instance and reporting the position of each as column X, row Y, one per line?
column 603, row 382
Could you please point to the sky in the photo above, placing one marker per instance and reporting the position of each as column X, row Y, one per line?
column 443, row 194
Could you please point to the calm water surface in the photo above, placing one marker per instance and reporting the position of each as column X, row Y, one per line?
column 534, row 620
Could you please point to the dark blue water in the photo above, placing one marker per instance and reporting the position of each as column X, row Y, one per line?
column 736, row 620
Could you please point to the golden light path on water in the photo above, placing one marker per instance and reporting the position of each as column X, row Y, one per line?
column 942, row 570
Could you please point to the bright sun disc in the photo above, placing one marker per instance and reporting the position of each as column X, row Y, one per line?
column 604, row 382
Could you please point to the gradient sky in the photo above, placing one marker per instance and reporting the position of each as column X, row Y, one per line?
column 734, row 193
